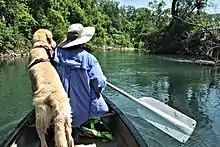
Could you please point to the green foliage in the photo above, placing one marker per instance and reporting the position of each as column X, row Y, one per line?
column 116, row 26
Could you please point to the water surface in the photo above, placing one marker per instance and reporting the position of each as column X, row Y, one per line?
column 191, row 89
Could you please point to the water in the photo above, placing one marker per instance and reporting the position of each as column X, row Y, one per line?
column 191, row 89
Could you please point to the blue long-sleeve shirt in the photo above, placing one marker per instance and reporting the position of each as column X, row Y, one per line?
column 83, row 80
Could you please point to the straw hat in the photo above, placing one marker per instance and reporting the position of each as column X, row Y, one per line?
column 76, row 35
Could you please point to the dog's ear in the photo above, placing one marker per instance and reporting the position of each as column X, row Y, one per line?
column 49, row 38
column 36, row 37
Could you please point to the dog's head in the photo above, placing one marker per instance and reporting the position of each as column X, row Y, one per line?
column 44, row 36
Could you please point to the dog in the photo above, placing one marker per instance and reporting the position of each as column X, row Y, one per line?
column 50, row 99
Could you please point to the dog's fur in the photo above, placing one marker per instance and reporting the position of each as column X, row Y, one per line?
column 50, row 99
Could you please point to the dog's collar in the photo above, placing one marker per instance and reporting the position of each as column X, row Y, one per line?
column 43, row 46
column 38, row 61
column 49, row 50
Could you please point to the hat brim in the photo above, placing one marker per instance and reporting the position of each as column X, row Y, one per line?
column 86, row 35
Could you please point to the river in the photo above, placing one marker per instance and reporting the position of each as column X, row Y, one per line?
column 191, row 89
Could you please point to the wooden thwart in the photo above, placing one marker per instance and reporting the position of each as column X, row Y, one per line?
column 105, row 115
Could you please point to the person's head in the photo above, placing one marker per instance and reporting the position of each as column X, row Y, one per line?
column 77, row 36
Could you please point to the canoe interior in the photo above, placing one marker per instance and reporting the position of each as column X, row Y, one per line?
column 124, row 133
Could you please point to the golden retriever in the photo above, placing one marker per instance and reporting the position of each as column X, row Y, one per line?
column 50, row 99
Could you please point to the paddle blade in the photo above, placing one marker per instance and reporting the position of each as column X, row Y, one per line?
column 167, row 119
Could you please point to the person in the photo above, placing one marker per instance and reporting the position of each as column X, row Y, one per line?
column 81, row 74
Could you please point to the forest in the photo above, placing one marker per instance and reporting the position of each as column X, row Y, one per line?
column 185, row 28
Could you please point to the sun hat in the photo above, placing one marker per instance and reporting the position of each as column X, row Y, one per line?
column 76, row 35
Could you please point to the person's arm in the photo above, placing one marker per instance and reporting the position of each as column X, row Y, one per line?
column 97, row 78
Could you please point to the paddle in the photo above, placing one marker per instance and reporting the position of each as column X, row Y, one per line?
column 162, row 116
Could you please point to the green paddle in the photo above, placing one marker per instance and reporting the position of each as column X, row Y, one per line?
column 162, row 116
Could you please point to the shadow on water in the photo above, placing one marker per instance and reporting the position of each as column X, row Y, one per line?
column 191, row 89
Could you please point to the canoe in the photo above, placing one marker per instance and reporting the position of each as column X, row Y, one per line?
column 124, row 133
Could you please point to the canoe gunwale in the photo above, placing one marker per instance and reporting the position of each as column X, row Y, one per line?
column 16, row 130
column 14, row 134
column 136, row 135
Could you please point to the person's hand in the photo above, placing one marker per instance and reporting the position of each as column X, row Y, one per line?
column 105, row 78
column 54, row 44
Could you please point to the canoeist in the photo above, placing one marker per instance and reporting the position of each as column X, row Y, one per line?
column 81, row 74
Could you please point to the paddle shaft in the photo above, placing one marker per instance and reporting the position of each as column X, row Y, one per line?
column 135, row 99
column 123, row 92
column 132, row 97
column 145, row 104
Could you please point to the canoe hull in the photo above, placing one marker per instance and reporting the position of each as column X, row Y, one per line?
column 125, row 134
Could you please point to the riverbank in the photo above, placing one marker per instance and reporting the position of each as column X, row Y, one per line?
column 187, row 59
column 110, row 48
column 199, row 62
column 12, row 54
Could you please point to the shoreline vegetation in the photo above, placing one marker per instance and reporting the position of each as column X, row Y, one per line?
column 11, row 55
column 183, row 29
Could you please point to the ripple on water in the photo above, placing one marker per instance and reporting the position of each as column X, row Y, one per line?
column 203, row 136
column 8, row 125
column 200, row 142
column 153, row 136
